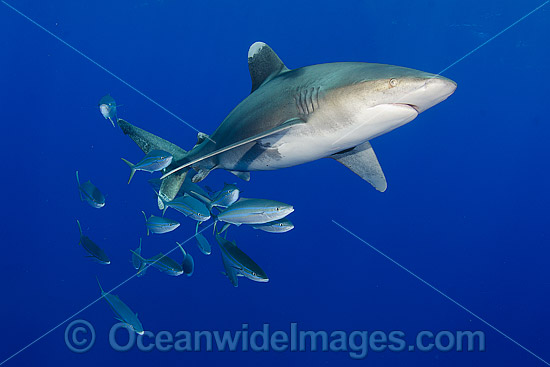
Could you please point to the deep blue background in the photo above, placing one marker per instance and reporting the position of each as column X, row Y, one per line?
column 466, row 208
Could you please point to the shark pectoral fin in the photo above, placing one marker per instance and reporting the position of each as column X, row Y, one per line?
column 362, row 161
column 242, row 175
column 263, row 64
column 284, row 126
column 148, row 142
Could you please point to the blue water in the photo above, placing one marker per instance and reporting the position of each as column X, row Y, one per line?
column 466, row 208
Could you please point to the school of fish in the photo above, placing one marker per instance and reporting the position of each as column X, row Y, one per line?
column 196, row 203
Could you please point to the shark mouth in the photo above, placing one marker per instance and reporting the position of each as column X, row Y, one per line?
column 415, row 107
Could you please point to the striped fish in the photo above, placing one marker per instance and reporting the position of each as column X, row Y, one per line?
column 255, row 211
column 155, row 160
column 188, row 206
column 159, row 225
column 223, row 198
column 277, row 226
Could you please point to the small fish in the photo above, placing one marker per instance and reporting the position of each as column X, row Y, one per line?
column 96, row 253
column 188, row 206
column 161, row 262
column 203, row 244
column 188, row 264
column 186, row 188
column 123, row 313
column 277, row 226
column 155, row 160
column 159, row 225
column 136, row 260
column 254, row 211
column 223, row 198
column 107, row 107
column 237, row 263
column 90, row 193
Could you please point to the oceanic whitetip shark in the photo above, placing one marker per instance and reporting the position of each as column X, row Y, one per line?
column 297, row 116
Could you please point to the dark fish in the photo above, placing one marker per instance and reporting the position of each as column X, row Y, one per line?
column 188, row 264
column 90, row 193
column 237, row 263
column 94, row 251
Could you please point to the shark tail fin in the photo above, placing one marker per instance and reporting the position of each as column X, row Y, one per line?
column 132, row 169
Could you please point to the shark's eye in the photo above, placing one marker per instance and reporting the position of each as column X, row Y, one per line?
column 393, row 82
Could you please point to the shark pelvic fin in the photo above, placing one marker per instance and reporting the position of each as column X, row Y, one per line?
column 362, row 161
column 263, row 64
column 242, row 175
column 169, row 188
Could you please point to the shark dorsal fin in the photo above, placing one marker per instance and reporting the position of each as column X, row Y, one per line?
column 264, row 64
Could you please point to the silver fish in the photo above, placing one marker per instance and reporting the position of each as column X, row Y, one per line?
column 223, row 198
column 155, row 160
column 255, row 211
column 188, row 206
column 107, row 107
column 159, row 225
column 277, row 226
column 136, row 260
column 90, row 193
column 123, row 313
column 204, row 245
column 161, row 262
column 95, row 252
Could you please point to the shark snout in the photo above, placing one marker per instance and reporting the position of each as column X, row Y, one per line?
column 435, row 90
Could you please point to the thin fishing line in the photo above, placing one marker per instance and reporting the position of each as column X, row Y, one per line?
column 443, row 294
column 102, row 67
column 458, row 60
column 94, row 302
column 495, row 36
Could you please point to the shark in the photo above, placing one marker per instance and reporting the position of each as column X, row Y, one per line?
column 295, row 116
